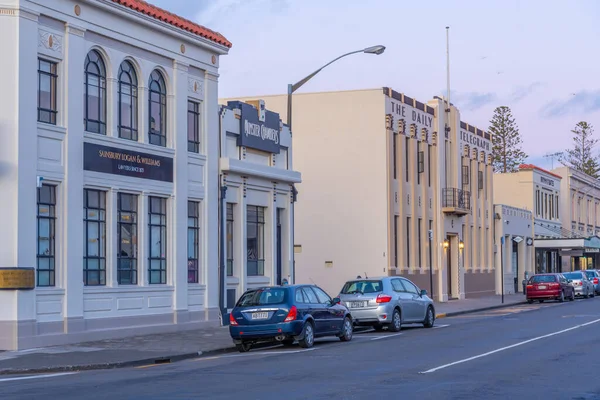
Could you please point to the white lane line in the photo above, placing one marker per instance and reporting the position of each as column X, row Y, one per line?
column 386, row 336
column 21, row 378
column 509, row 347
column 440, row 326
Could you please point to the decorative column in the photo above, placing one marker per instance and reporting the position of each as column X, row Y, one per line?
column 178, row 260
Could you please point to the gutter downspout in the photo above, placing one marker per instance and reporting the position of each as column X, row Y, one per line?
column 221, row 229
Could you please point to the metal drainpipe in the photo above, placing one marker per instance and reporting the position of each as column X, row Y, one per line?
column 221, row 230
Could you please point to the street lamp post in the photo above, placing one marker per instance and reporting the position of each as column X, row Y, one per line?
column 377, row 50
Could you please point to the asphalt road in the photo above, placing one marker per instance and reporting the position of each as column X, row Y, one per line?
column 547, row 351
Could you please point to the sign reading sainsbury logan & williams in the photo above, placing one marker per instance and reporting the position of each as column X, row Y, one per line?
column 259, row 129
column 111, row 160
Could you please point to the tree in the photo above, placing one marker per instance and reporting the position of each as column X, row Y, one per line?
column 581, row 157
column 507, row 151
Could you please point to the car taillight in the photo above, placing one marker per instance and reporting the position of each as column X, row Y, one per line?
column 232, row 320
column 383, row 298
column 554, row 285
column 529, row 286
column 595, row 281
column 291, row 315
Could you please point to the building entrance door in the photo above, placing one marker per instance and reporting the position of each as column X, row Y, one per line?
column 278, row 246
column 515, row 265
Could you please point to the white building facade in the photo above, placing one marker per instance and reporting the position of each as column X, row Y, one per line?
column 258, row 195
column 108, row 171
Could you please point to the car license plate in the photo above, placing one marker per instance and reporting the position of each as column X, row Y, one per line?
column 260, row 315
column 357, row 304
column 542, row 287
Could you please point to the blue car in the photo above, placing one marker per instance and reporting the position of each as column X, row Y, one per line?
column 284, row 314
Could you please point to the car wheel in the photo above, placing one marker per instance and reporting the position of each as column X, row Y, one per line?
column 572, row 296
column 429, row 318
column 586, row 295
column 308, row 336
column 347, row 330
column 396, row 324
column 243, row 347
column 562, row 297
column 593, row 293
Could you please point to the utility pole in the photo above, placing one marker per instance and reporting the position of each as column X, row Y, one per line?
column 552, row 155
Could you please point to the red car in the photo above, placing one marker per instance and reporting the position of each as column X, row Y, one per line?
column 549, row 287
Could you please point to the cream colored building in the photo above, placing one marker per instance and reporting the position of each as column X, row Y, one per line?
column 515, row 255
column 535, row 189
column 579, row 208
column 379, row 173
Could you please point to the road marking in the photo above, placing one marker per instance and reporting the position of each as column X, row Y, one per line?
column 509, row 347
column 386, row 336
column 440, row 326
column 20, row 378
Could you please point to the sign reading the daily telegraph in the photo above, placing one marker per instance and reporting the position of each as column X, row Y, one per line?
column 474, row 137
column 400, row 111
column 117, row 161
column 259, row 129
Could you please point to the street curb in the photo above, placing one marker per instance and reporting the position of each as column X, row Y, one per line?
column 455, row 313
column 120, row 364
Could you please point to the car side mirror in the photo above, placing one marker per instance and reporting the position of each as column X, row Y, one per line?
column 336, row 300
column 423, row 292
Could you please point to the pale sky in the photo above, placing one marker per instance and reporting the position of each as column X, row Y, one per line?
column 538, row 57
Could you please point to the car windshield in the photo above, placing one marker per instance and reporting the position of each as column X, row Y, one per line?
column 543, row 278
column 573, row 275
column 362, row 287
column 591, row 274
column 262, row 297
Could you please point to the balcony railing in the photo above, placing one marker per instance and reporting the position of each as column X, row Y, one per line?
column 456, row 200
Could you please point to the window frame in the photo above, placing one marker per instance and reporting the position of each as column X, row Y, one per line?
column 163, row 240
column 133, row 86
column 51, row 218
column 133, row 268
column 195, row 113
column 194, row 229
column 259, row 221
column 157, row 137
column 101, row 89
column 229, row 226
column 480, row 179
column 52, row 74
column 101, row 230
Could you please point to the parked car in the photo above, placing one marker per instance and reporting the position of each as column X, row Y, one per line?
column 594, row 276
column 285, row 314
column 387, row 302
column 583, row 286
column 549, row 287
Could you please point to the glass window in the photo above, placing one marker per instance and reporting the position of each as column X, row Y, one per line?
column 323, row 297
column 95, row 93
column 263, row 296
column 193, row 127
column 157, row 113
column 229, row 239
column 46, row 223
column 310, row 296
column 255, row 240
column 397, row 285
column 410, row 287
column 127, row 232
column 94, row 227
column 299, row 297
column 542, row 278
column 47, row 77
column 193, row 240
column 157, row 240
column 128, row 102
column 363, row 287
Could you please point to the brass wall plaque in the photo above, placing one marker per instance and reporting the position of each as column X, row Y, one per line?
column 17, row 278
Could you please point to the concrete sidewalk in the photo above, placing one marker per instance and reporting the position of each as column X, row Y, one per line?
column 171, row 347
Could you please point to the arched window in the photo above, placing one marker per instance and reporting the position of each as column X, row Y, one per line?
column 158, row 109
column 128, row 112
column 95, row 93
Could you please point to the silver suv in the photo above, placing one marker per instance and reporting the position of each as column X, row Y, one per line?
column 387, row 302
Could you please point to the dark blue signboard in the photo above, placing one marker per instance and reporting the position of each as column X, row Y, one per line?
column 259, row 129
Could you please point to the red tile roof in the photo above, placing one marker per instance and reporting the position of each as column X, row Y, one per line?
column 531, row 166
column 175, row 20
